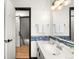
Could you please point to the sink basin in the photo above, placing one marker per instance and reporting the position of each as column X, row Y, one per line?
column 52, row 49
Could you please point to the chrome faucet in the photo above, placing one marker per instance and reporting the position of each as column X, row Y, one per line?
column 59, row 47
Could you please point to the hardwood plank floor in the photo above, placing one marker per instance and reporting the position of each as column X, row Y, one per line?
column 22, row 52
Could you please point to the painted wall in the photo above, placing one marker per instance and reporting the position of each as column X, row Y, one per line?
column 22, row 13
column 61, row 20
column 40, row 14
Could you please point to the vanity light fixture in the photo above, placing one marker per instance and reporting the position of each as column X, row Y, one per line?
column 55, row 4
column 60, row 7
column 53, row 7
column 66, row 2
column 58, row 4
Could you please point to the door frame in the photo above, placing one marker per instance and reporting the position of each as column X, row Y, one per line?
column 71, row 8
column 27, row 9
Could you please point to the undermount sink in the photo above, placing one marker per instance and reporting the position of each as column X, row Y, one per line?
column 56, row 52
column 52, row 49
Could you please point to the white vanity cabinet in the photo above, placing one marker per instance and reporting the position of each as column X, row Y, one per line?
column 39, row 53
column 46, row 50
column 33, row 49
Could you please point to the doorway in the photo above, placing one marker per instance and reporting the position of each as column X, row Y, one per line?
column 23, row 32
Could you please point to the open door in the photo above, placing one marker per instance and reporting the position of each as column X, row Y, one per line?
column 9, row 30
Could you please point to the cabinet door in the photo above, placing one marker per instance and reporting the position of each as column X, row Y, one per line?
column 38, row 53
column 41, row 55
column 33, row 49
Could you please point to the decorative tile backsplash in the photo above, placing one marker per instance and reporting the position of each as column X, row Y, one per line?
column 39, row 38
column 65, row 37
column 65, row 40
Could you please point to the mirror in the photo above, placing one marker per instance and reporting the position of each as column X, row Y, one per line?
column 63, row 23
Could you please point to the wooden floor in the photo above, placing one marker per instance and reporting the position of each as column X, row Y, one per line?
column 22, row 52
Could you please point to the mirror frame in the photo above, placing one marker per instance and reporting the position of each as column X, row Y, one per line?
column 70, row 10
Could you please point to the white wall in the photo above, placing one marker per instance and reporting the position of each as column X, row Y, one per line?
column 40, row 12
column 22, row 13
column 61, row 17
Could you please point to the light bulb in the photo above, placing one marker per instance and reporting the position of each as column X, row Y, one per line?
column 60, row 7
column 57, row 3
column 66, row 3
column 53, row 7
column 61, row 1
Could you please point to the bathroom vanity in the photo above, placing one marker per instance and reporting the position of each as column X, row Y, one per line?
column 54, row 50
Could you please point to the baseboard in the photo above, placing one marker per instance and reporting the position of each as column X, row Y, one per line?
column 33, row 57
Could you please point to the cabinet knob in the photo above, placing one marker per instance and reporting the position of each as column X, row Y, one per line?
column 39, row 53
column 37, row 49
